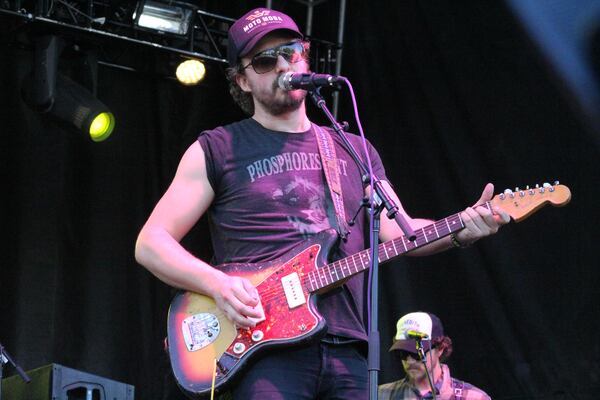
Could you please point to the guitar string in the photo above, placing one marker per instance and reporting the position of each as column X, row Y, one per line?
column 336, row 267
column 276, row 293
column 327, row 271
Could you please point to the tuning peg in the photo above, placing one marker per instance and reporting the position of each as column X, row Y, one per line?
column 521, row 193
column 556, row 183
column 509, row 193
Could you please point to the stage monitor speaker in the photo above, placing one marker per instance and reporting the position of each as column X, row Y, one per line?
column 56, row 382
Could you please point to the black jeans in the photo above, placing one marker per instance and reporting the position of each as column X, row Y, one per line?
column 321, row 370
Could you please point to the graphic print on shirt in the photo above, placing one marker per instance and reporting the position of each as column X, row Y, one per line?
column 307, row 197
column 313, row 208
column 288, row 162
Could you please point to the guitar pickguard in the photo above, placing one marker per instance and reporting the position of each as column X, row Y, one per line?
column 287, row 316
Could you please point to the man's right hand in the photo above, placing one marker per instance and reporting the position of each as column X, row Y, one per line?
column 237, row 298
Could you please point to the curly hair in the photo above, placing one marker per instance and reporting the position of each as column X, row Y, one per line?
column 443, row 344
column 241, row 98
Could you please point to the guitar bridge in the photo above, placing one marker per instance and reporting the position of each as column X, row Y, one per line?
column 200, row 330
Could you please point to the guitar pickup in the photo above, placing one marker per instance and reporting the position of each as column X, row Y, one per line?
column 293, row 290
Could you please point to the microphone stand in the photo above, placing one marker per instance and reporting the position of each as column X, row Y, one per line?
column 421, row 354
column 381, row 199
column 5, row 358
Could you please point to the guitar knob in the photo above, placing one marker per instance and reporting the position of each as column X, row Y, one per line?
column 257, row 335
column 239, row 348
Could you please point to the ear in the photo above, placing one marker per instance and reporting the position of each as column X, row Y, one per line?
column 242, row 81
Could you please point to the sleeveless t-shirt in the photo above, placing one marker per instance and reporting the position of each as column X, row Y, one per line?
column 271, row 194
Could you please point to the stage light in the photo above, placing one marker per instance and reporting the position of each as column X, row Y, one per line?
column 173, row 17
column 77, row 106
column 190, row 72
column 102, row 126
column 50, row 92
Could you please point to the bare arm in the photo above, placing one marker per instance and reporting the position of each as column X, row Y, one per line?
column 479, row 222
column 158, row 249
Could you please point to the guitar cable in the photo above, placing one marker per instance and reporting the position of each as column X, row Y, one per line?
column 212, row 386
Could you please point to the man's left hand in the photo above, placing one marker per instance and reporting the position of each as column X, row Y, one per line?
column 479, row 221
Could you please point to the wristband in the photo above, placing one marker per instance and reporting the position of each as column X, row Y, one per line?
column 456, row 243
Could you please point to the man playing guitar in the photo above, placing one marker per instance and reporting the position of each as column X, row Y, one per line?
column 261, row 182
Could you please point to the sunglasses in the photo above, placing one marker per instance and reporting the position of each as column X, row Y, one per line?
column 266, row 60
column 403, row 354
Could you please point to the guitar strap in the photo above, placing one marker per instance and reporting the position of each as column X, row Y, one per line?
column 332, row 176
column 458, row 389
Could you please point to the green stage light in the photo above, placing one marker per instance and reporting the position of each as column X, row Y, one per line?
column 50, row 92
column 102, row 126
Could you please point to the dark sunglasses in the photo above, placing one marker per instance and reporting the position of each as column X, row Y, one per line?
column 266, row 60
column 403, row 354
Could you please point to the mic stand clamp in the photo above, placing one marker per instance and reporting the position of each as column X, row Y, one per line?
column 421, row 354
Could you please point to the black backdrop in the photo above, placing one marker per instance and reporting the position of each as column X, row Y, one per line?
column 453, row 95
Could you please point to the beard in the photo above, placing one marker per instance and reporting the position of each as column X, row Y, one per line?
column 278, row 105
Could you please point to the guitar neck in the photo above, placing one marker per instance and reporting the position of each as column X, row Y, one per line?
column 330, row 274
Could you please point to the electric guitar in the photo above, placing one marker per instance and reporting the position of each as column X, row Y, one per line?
column 206, row 349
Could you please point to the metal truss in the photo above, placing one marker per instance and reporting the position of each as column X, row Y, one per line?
column 100, row 21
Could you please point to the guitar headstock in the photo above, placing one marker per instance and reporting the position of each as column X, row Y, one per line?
column 521, row 203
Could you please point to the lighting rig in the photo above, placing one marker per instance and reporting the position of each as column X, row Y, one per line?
column 190, row 36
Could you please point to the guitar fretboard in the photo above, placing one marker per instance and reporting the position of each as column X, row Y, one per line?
column 352, row 265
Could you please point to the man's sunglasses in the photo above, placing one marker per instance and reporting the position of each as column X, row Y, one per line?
column 266, row 60
column 403, row 354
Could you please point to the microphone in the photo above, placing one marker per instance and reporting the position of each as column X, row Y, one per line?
column 306, row 81
column 416, row 335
